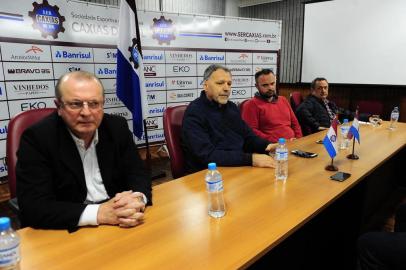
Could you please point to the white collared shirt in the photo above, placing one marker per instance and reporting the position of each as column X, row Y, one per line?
column 96, row 191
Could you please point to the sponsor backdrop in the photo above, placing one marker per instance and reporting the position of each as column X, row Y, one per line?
column 40, row 41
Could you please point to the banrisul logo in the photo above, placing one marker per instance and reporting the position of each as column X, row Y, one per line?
column 47, row 19
column 163, row 30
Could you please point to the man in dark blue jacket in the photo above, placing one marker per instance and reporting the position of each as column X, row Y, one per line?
column 384, row 250
column 213, row 130
column 316, row 112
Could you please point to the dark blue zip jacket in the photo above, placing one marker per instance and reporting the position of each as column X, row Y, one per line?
column 214, row 133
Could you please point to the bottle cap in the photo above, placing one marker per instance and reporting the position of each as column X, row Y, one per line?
column 4, row 223
column 212, row 166
column 281, row 141
column 345, row 120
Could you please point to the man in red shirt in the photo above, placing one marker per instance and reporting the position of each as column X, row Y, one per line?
column 269, row 115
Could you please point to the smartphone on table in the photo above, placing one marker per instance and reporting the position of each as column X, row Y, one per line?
column 340, row 176
column 303, row 154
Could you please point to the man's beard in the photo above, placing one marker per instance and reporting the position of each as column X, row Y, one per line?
column 271, row 96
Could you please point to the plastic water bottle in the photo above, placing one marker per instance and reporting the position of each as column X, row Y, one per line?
column 214, row 184
column 394, row 117
column 9, row 246
column 281, row 157
column 344, row 128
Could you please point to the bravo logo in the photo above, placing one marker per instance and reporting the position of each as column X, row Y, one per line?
column 29, row 71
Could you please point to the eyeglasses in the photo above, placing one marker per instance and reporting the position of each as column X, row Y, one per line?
column 79, row 104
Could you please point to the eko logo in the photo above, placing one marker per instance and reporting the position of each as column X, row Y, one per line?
column 238, row 92
column 178, row 69
column 33, row 105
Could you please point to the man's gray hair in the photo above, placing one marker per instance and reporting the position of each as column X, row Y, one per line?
column 79, row 75
column 212, row 68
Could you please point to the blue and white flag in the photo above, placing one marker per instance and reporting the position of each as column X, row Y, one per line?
column 130, row 78
column 354, row 129
column 330, row 141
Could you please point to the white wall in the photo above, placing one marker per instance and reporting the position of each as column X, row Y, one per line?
column 356, row 42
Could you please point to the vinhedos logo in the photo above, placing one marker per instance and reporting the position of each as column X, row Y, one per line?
column 47, row 19
column 163, row 30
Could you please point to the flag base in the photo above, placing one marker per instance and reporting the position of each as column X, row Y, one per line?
column 353, row 156
column 331, row 167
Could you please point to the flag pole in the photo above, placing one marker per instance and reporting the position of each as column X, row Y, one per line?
column 331, row 167
column 148, row 154
column 352, row 155
column 148, row 159
column 159, row 174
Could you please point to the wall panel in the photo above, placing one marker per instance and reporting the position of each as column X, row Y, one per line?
column 291, row 13
column 211, row 7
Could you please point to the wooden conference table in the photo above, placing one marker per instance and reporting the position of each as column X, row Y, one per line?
column 179, row 234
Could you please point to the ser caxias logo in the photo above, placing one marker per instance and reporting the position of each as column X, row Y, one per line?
column 47, row 19
column 163, row 30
